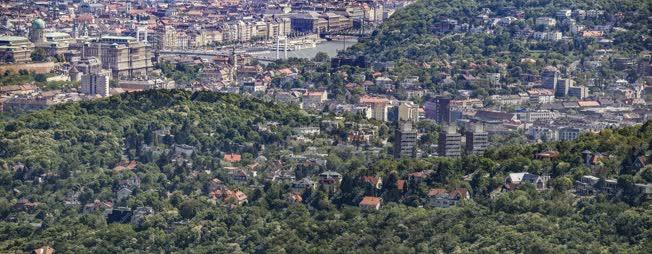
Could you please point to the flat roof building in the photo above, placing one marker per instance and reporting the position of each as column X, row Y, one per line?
column 15, row 49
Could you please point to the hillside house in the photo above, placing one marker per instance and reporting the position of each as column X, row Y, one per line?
column 443, row 198
column 370, row 203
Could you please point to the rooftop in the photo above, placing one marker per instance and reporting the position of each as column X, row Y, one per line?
column 370, row 201
column 11, row 38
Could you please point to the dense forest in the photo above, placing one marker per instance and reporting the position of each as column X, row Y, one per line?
column 58, row 161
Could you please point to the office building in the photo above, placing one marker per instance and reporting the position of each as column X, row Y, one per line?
column 405, row 141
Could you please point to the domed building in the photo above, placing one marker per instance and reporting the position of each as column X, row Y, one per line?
column 52, row 42
column 37, row 33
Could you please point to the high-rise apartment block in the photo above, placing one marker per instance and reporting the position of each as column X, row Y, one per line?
column 477, row 141
column 95, row 83
column 450, row 142
column 405, row 141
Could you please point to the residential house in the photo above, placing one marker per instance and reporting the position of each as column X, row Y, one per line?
column 280, row 176
column 547, row 155
column 586, row 185
column 370, row 203
column 97, row 205
column 123, row 193
column 515, row 180
column 330, row 180
column 132, row 182
column 379, row 107
column 418, row 177
column 185, row 150
column 640, row 162
column 443, row 198
column 240, row 175
column 215, row 184
column 229, row 196
column 314, row 100
column 300, row 186
column 645, row 189
column 126, row 165
column 232, row 157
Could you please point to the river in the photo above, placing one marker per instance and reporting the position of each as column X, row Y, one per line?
column 329, row 47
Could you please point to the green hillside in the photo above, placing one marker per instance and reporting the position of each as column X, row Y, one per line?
column 498, row 37
column 57, row 162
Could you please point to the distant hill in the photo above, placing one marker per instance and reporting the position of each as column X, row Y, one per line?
column 477, row 37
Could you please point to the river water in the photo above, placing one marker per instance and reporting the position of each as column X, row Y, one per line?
column 329, row 47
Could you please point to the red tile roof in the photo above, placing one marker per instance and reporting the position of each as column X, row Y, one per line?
column 370, row 201
column 232, row 157
column 372, row 100
column 435, row 192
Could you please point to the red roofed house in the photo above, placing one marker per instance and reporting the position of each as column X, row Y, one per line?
column 418, row 177
column 370, row 203
column 124, row 165
column 232, row 157
column 229, row 196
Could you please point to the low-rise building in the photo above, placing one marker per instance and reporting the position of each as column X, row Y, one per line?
column 370, row 203
column 568, row 133
column 443, row 198
column 330, row 180
column 515, row 180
